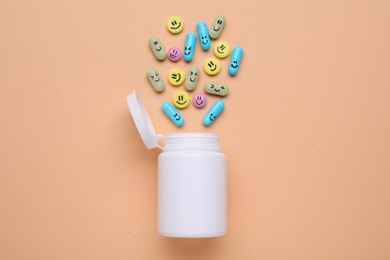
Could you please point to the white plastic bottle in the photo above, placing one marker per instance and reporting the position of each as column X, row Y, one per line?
column 191, row 179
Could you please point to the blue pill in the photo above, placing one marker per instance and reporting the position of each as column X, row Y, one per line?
column 213, row 112
column 189, row 46
column 203, row 34
column 235, row 60
column 172, row 114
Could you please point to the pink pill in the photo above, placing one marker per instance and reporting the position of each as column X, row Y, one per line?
column 199, row 100
column 174, row 54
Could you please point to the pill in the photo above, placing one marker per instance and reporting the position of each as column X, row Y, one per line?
column 174, row 54
column 235, row 60
column 213, row 112
column 203, row 34
column 157, row 48
column 189, row 46
column 181, row 99
column 155, row 79
column 172, row 113
column 199, row 100
column 216, row 27
column 192, row 78
column 175, row 24
column 222, row 49
column 216, row 89
column 211, row 66
column 176, row 77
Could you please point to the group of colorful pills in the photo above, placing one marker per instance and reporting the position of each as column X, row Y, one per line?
column 211, row 66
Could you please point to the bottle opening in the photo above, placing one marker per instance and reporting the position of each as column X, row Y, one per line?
column 192, row 141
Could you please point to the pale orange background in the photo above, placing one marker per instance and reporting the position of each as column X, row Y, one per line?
column 306, row 129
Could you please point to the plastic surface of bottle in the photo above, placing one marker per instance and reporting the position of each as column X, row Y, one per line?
column 191, row 179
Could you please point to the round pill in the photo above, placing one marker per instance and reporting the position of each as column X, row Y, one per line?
column 181, row 99
column 176, row 77
column 199, row 100
column 174, row 54
column 175, row 24
column 222, row 49
column 211, row 66
column 216, row 89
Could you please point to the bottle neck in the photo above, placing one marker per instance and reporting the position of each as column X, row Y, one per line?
column 192, row 142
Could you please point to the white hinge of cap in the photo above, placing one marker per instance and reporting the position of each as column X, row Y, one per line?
column 142, row 121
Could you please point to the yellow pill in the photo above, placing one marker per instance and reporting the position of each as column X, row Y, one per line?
column 222, row 49
column 175, row 24
column 211, row 66
column 181, row 99
column 176, row 77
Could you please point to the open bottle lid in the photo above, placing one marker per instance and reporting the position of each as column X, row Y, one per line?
column 142, row 121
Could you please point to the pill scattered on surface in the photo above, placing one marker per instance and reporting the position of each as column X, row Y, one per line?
column 157, row 48
column 235, row 60
column 176, row 77
column 174, row 54
column 216, row 27
column 175, row 24
column 189, row 46
column 155, row 80
column 222, row 49
column 199, row 100
column 216, row 89
column 203, row 35
column 212, row 66
column 213, row 112
column 192, row 78
column 172, row 114
column 181, row 99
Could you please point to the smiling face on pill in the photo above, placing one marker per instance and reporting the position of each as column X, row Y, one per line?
column 199, row 100
column 217, row 89
column 155, row 80
column 181, row 99
column 174, row 54
column 157, row 48
column 211, row 66
column 175, row 24
column 222, row 49
column 216, row 27
column 176, row 77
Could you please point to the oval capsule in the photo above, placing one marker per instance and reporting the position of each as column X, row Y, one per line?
column 155, row 79
column 189, row 46
column 192, row 78
column 157, row 48
column 213, row 112
column 216, row 89
column 235, row 60
column 172, row 114
column 216, row 27
column 203, row 34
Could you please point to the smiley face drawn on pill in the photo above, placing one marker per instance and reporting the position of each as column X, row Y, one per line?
column 192, row 78
column 212, row 117
column 155, row 80
column 217, row 26
column 199, row 100
column 187, row 51
column 234, row 64
column 157, row 48
column 204, row 40
column 218, row 89
column 176, row 77
column 174, row 54
column 181, row 99
column 177, row 117
column 175, row 24
column 212, row 66
column 222, row 49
